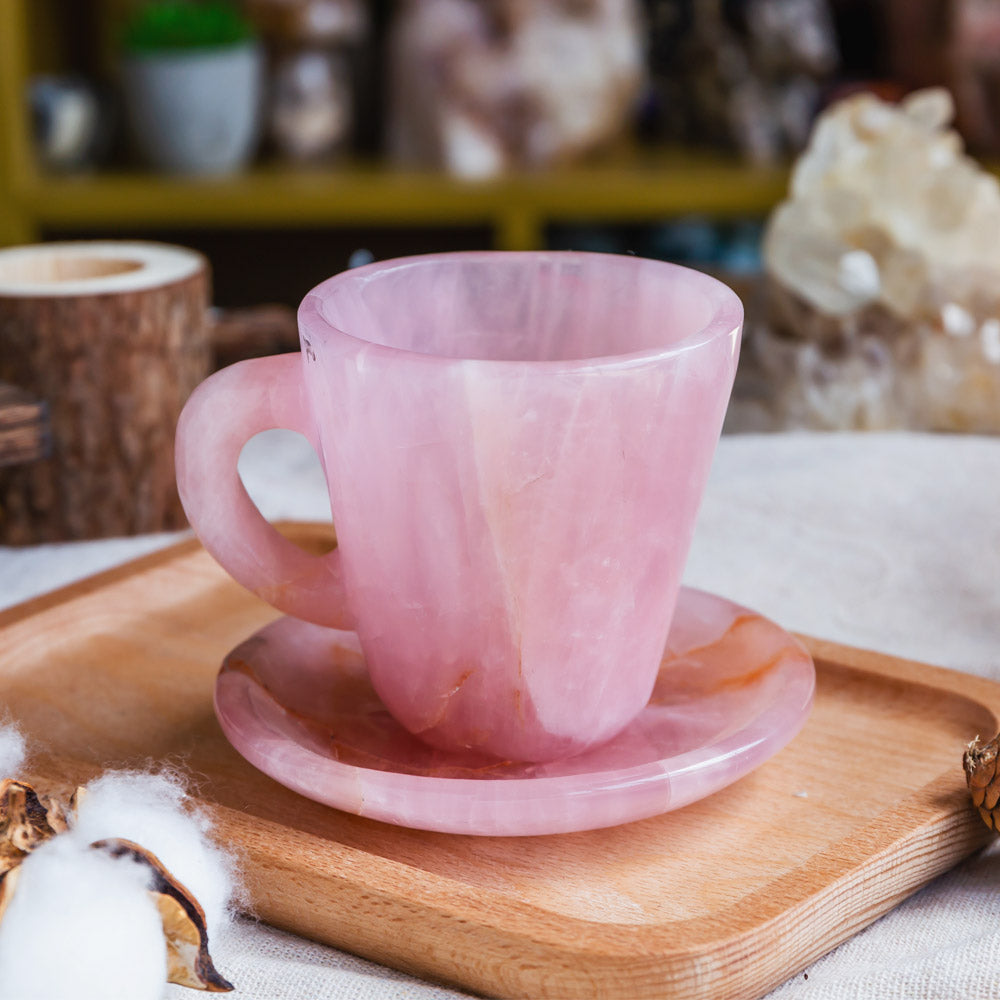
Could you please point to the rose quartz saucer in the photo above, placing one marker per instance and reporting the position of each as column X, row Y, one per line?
column 733, row 689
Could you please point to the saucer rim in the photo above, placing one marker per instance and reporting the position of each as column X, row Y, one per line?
column 590, row 784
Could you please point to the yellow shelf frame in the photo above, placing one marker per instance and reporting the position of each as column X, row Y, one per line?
column 633, row 186
column 17, row 167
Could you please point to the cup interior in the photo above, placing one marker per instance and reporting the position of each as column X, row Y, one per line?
column 555, row 306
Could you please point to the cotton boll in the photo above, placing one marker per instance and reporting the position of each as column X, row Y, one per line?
column 148, row 809
column 12, row 751
column 81, row 925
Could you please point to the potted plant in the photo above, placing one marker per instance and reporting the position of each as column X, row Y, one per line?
column 192, row 74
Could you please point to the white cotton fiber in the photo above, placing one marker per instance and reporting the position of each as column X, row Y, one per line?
column 149, row 809
column 12, row 751
column 81, row 926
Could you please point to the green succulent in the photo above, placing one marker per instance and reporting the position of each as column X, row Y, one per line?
column 167, row 25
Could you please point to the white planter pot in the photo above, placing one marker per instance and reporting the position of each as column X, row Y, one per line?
column 195, row 112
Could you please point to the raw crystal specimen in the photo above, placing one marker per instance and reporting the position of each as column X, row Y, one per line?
column 745, row 76
column 883, row 266
column 312, row 45
column 480, row 87
column 951, row 43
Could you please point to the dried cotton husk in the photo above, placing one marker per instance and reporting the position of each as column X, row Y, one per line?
column 8, row 883
column 188, row 961
column 28, row 820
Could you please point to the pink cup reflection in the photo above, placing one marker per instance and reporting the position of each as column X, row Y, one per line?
column 516, row 445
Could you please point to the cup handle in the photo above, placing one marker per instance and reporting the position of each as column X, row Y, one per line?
column 221, row 415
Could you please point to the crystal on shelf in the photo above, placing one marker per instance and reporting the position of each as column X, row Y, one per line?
column 882, row 298
column 477, row 89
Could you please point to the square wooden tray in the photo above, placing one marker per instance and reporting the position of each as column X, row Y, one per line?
column 725, row 898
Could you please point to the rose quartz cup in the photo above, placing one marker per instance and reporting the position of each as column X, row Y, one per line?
column 516, row 445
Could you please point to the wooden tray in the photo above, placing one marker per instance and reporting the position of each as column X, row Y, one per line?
column 726, row 898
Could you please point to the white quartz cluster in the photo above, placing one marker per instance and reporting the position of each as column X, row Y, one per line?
column 883, row 270
column 884, row 206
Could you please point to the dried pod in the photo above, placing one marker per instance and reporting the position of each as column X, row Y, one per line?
column 980, row 763
column 8, row 882
column 55, row 814
column 26, row 821
column 9, row 858
column 75, row 799
column 188, row 961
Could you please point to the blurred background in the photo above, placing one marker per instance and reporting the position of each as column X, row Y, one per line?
column 289, row 139
column 662, row 127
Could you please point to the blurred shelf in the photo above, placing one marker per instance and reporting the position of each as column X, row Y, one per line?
column 642, row 186
column 632, row 186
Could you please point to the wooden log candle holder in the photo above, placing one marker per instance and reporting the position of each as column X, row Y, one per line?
column 113, row 337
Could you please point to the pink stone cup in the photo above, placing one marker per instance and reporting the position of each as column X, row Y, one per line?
column 516, row 446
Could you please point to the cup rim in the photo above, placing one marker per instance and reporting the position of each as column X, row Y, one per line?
column 727, row 317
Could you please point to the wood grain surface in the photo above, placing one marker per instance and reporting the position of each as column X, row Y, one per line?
column 725, row 898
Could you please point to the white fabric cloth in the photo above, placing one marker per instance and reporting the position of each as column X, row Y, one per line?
column 889, row 541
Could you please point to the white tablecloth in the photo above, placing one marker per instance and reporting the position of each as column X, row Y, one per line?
column 886, row 541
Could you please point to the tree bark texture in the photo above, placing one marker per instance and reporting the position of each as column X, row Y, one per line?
column 114, row 369
column 24, row 426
